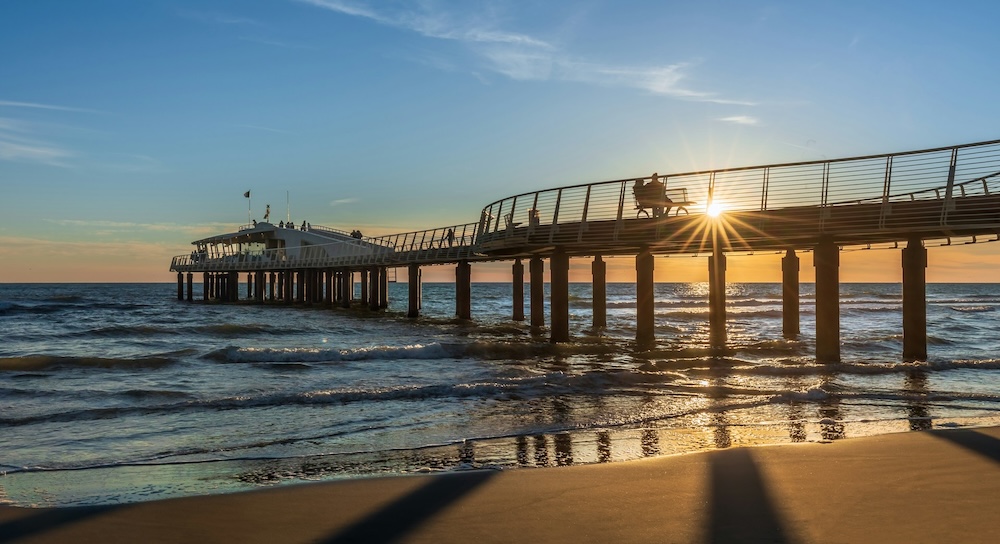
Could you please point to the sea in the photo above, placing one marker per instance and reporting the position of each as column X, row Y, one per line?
column 118, row 393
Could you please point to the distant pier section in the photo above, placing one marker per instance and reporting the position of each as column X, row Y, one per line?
column 907, row 201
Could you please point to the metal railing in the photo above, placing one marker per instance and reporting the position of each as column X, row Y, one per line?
column 833, row 193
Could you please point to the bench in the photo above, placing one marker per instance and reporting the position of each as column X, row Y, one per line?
column 657, row 199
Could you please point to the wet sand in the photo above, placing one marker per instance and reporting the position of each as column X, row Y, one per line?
column 930, row 486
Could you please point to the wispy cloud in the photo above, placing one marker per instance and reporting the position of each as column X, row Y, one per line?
column 36, row 105
column 277, row 43
column 523, row 57
column 219, row 18
column 18, row 144
column 740, row 120
column 108, row 227
column 266, row 129
column 427, row 22
column 339, row 201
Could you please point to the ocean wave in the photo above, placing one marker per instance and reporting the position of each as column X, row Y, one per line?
column 124, row 331
column 236, row 329
column 479, row 349
column 972, row 309
column 48, row 362
column 234, row 354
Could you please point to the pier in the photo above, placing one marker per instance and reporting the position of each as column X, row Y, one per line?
column 904, row 201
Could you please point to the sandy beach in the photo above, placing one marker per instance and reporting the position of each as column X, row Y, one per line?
column 932, row 486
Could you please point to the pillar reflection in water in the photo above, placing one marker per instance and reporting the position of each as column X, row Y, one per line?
column 603, row 447
column 650, row 442
column 916, row 406
column 830, row 428
column 541, row 451
column 466, row 453
column 796, row 416
column 522, row 451
column 720, row 430
column 564, row 449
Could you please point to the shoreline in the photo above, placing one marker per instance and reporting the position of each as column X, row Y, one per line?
column 923, row 486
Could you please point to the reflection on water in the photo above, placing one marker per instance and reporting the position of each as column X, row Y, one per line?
column 720, row 431
column 918, row 413
column 564, row 449
column 541, row 451
column 466, row 453
column 603, row 447
column 650, row 442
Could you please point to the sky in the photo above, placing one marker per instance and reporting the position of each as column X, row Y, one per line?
column 129, row 129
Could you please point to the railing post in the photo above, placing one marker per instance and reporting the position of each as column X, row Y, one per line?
column 555, row 217
column 949, row 203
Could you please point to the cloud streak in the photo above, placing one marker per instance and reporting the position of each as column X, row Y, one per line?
column 740, row 120
column 523, row 57
column 39, row 106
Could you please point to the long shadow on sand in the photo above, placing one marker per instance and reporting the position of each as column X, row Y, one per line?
column 47, row 520
column 742, row 510
column 974, row 441
column 395, row 520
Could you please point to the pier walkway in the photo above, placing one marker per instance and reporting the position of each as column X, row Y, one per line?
column 914, row 199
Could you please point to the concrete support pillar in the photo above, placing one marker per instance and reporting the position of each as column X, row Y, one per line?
column 559, row 296
column 536, row 279
column 220, row 291
column 717, row 296
column 258, row 283
column 365, row 298
column 790, row 294
column 300, row 295
column 374, row 284
column 383, row 290
column 645, row 316
column 349, row 288
column 234, row 286
column 517, row 296
column 915, row 300
column 599, row 270
column 414, row 290
column 330, row 289
column 281, row 286
column 309, row 286
column 180, row 286
column 250, row 286
column 206, row 289
column 190, row 287
column 338, row 286
column 827, row 261
column 463, row 290
column 271, row 286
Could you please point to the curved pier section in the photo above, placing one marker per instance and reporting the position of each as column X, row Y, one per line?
column 941, row 196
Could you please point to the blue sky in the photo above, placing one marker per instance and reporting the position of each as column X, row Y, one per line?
column 128, row 129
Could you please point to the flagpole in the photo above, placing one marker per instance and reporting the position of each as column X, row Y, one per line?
column 288, row 215
column 249, row 205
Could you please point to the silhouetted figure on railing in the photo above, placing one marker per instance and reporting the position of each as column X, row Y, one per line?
column 451, row 237
column 356, row 234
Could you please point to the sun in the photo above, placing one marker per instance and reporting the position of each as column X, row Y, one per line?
column 715, row 209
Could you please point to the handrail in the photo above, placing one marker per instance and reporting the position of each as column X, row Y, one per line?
column 885, row 179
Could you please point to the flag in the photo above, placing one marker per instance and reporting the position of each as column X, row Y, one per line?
column 246, row 194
